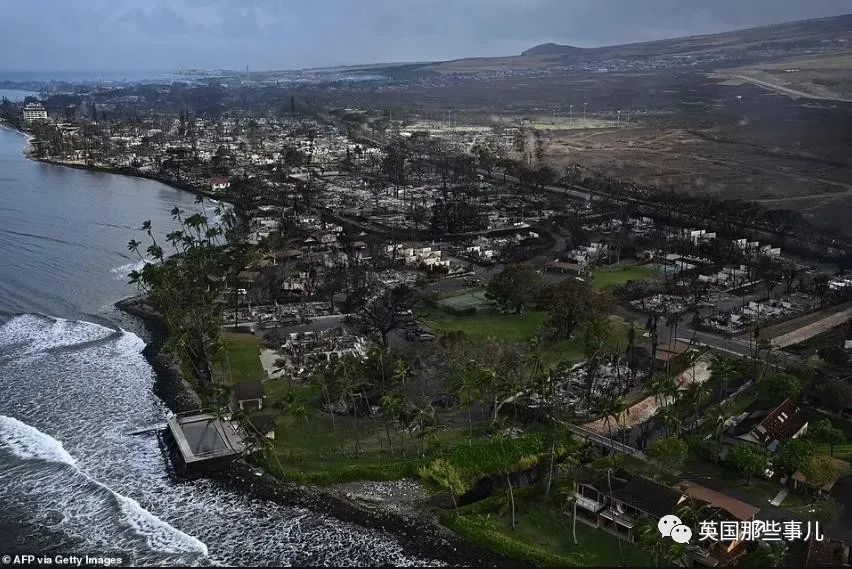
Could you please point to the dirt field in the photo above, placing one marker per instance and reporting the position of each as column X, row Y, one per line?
column 826, row 77
column 743, row 142
column 688, row 132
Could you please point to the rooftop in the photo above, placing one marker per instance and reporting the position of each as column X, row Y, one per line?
column 203, row 437
column 778, row 424
column 738, row 509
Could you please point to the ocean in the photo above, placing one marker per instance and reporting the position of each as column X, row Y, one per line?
column 75, row 477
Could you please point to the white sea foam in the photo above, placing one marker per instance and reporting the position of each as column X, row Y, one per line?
column 122, row 271
column 29, row 330
column 160, row 535
column 90, row 397
column 28, row 443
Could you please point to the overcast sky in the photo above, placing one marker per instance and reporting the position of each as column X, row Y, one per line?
column 283, row 34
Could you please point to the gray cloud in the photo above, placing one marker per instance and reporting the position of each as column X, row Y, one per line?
column 160, row 34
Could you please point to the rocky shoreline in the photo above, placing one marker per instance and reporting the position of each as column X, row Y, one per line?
column 132, row 172
column 400, row 507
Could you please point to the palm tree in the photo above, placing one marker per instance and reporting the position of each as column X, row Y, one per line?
column 426, row 421
column 323, row 379
column 572, row 461
column 663, row 551
column 609, row 465
column 378, row 356
column 692, row 512
column 717, row 418
column 511, row 492
column 466, row 388
column 610, row 408
column 724, row 368
column 657, row 388
column 401, row 371
column 664, row 388
column 392, row 406
column 670, row 418
column 697, row 393
column 349, row 387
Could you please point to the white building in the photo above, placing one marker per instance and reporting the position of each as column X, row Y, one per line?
column 34, row 112
column 219, row 184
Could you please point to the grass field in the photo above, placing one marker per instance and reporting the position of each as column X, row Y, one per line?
column 844, row 451
column 243, row 358
column 503, row 326
column 542, row 527
column 519, row 328
column 550, row 530
column 608, row 277
column 563, row 123
column 312, row 447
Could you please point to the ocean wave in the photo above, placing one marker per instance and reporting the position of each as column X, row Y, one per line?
column 159, row 535
column 91, row 397
column 30, row 334
column 38, row 333
column 122, row 271
column 28, row 443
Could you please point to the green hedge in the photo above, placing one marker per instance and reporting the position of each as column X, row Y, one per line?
column 476, row 533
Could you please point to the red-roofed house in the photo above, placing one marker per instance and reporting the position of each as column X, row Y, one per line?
column 219, row 184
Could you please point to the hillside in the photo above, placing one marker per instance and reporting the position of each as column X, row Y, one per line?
column 552, row 49
column 741, row 47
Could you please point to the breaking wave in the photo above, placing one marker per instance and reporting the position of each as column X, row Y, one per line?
column 28, row 443
column 122, row 271
column 104, row 488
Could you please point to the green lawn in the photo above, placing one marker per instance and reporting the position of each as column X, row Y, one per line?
column 608, row 277
column 511, row 327
column 243, row 358
column 485, row 324
column 548, row 530
column 311, row 447
column 759, row 492
column 844, row 451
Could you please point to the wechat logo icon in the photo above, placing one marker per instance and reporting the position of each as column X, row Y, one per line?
column 671, row 526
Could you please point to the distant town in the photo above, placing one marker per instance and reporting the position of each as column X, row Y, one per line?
column 416, row 310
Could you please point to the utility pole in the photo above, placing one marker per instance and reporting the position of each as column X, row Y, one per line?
column 570, row 114
column 584, row 111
